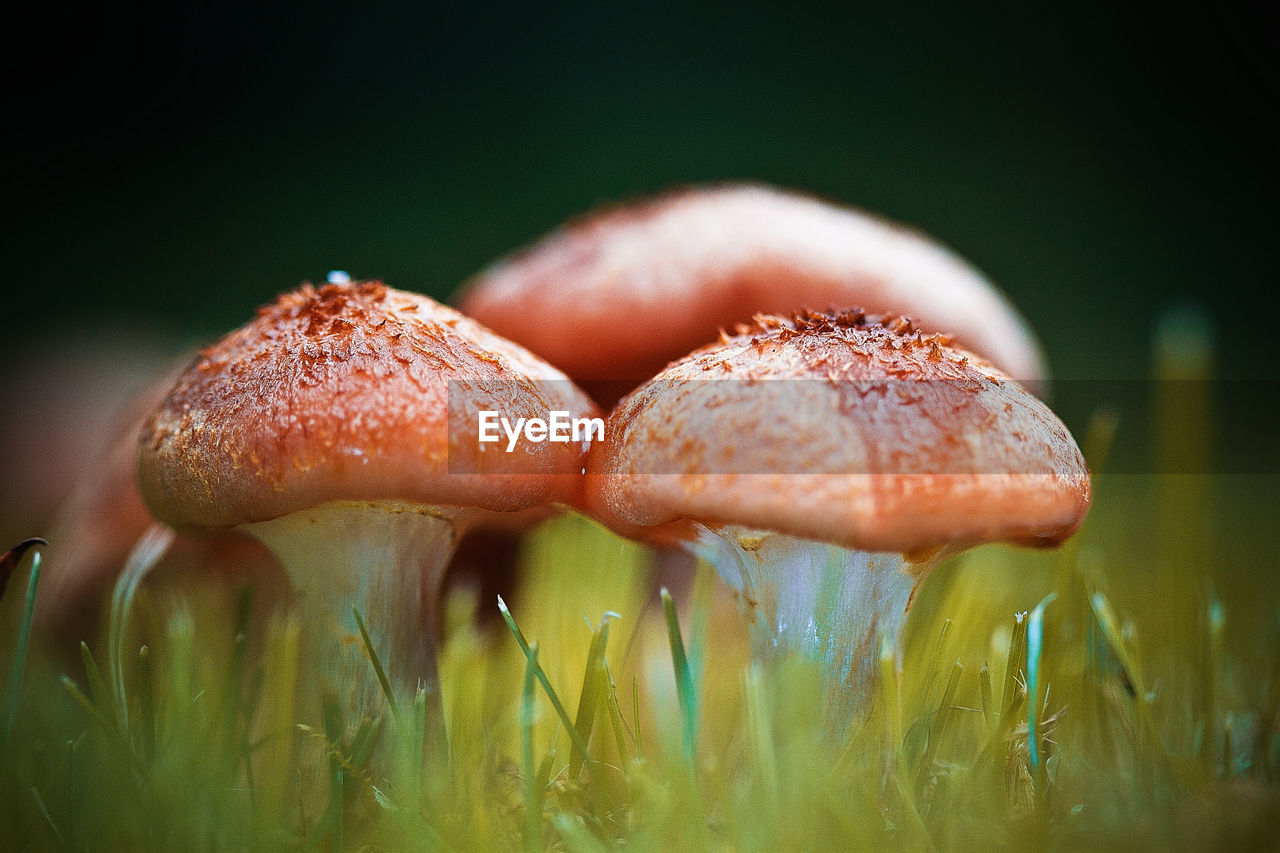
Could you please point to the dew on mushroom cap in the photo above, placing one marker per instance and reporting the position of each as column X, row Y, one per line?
column 618, row 294
column 329, row 428
column 824, row 464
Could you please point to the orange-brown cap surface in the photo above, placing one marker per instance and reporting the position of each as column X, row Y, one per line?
column 619, row 294
column 353, row 392
column 848, row 428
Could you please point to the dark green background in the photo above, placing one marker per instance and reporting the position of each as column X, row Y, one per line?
column 181, row 164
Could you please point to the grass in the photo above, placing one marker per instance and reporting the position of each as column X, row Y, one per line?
column 598, row 715
column 1122, row 693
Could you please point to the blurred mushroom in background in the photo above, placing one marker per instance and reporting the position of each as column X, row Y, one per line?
column 103, row 519
column 613, row 297
column 66, row 395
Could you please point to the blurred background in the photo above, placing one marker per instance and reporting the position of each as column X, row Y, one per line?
column 172, row 166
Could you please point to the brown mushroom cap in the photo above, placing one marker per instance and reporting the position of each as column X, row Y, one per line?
column 344, row 393
column 619, row 294
column 851, row 429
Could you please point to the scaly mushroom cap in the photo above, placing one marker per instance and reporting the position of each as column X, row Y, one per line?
column 850, row 429
column 619, row 294
column 353, row 392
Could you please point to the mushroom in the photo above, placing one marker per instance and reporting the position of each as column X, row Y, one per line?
column 97, row 524
column 339, row 427
column 824, row 465
column 612, row 298
column 102, row 520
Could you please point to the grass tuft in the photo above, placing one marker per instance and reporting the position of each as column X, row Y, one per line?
column 191, row 725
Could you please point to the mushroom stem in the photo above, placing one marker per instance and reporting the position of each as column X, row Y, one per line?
column 385, row 559
column 824, row 602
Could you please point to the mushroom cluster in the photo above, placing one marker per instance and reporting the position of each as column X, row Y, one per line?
column 823, row 459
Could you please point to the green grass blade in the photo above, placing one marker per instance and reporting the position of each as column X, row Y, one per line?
column 337, row 774
column 574, row 736
column 936, row 665
column 1035, row 638
column 20, row 654
column 616, row 722
column 10, row 560
column 48, row 818
column 153, row 545
column 1110, row 626
column 86, row 704
column 533, row 790
column 635, row 714
column 594, row 687
column 378, row 669
column 98, row 693
column 1012, row 695
column 684, row 678
column 515, row 629
column 109, row 727
column 146, row 702
column 1146, row 738
column 984, row 684
column 363, row 742
column 938, row 726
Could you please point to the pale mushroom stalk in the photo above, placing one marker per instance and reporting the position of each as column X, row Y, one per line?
column 825, row 602
column 382, row 559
